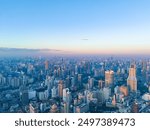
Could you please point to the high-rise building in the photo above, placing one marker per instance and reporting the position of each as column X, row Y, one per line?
column 66, row 95
column 106, row 92
column 76, row 69
column 132, row 81
column 101, row 84
column 67, row 98
column 109, row 78
column 144, row 67
column 114, row 100
column 68, row 82
column 147, row 77
column 46, row 65
column 54, row 92
column 60, row 89
column 80, row 78
column 91, row 83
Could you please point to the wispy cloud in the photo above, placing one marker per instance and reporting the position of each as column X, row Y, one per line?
column 85, row 39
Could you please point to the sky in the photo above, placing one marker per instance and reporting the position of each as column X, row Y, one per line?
column 77, row 26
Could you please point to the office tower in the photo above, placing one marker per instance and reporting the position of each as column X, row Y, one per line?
column 118, row 71
column 101, row 84
column 116, row 89
column 101, row 99
column 147, row 77
column 114, row 100
column 73, row 81
column 66, row 95
column 80, row 79
column 91, row 83
column 60, row 89
column 46, row 65
column 67, row 98
column 54, row 92
column 76, row 69
column 106, row 92
column 49, row 82
column 144, row 67
column 30, row 69
column 88, row 96
column 132, row 81
column 96, row 73
column 59, row 72
column 109, row 78
column 102, row 72
column 68, row 82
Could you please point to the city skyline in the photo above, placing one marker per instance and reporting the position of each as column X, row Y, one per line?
column 80, row 27
column 74, row 85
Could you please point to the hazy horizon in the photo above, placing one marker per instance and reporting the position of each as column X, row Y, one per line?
column 79, row 27
column 26, row 52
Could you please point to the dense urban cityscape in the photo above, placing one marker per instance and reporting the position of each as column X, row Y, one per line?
column 54, row 84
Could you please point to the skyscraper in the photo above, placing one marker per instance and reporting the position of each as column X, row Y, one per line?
column 46, row 65
column 109, row 78
column 91, row 83
column 67, row 98
column 132, row 81
column 60, row 88
column 101, row 84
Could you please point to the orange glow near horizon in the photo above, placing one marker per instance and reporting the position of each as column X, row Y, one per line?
column 109, row 51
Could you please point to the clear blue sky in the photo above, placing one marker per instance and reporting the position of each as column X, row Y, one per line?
column 83, row 26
